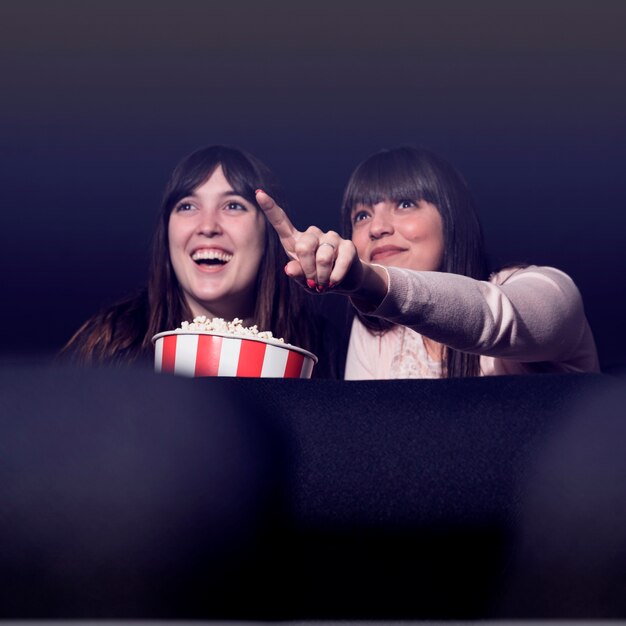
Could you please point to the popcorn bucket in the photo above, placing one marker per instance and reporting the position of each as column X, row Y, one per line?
column 202, row 353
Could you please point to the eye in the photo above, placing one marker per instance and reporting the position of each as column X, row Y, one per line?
column 359, row 216
column 235, row 206
column 183, row 206
column 406, row 204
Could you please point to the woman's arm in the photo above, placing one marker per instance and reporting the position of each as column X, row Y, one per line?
column 530, row 314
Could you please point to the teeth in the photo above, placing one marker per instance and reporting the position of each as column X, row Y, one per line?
column 211, row 255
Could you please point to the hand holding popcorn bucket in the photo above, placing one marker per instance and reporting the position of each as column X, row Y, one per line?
column 230, row 351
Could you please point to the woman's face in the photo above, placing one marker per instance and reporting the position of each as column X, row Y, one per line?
column 400, row 234
column 216, row 241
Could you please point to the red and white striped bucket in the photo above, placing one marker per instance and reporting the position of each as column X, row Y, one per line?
column 214, row 354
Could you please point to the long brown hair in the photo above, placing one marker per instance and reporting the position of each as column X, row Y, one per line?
column 408, row 173
column 124, row 332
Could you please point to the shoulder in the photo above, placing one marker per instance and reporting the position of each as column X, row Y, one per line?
column 113, row 335
column 551, row 287
column 538, row 273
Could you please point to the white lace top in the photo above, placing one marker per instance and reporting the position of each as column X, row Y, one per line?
column 410, row 358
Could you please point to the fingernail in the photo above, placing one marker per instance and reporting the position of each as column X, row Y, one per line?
column 319, row 288
column 286, row 270
column 310, row 283
column 331, row 285
column 257, row 191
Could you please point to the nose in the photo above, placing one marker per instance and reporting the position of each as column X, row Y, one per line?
column 209, row 224
column 381, row 224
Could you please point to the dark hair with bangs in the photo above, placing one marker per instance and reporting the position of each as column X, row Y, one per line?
column 408, row 173
column 124, row 332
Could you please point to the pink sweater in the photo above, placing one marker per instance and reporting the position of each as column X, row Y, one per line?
column 520, row 321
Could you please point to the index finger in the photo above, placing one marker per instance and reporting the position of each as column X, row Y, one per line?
column 287, row 232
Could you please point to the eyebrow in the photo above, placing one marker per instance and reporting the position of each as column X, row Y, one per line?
column 225, row 194
column 359, row 206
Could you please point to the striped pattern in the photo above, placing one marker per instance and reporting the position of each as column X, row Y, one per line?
column 211, row 355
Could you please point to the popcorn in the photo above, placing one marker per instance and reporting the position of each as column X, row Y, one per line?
column 219, row 325
column 216, row 347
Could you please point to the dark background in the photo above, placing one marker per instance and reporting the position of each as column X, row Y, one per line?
column 100, row 100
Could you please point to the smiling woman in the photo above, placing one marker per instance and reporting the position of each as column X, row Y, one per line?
column 213, row 255
column 217, row 241
column 413, row 264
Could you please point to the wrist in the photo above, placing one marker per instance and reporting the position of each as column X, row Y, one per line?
column 373, row 288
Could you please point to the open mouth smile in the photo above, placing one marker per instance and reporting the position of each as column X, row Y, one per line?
column 210, row 257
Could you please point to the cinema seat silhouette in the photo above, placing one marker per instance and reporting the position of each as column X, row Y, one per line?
column 127, row 494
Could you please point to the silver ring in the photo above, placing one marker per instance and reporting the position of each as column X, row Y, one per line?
column 326, row 243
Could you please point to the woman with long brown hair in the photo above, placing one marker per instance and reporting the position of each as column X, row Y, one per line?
column 213, row 254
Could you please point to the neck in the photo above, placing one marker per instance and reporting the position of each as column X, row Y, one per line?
column 229, row 312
